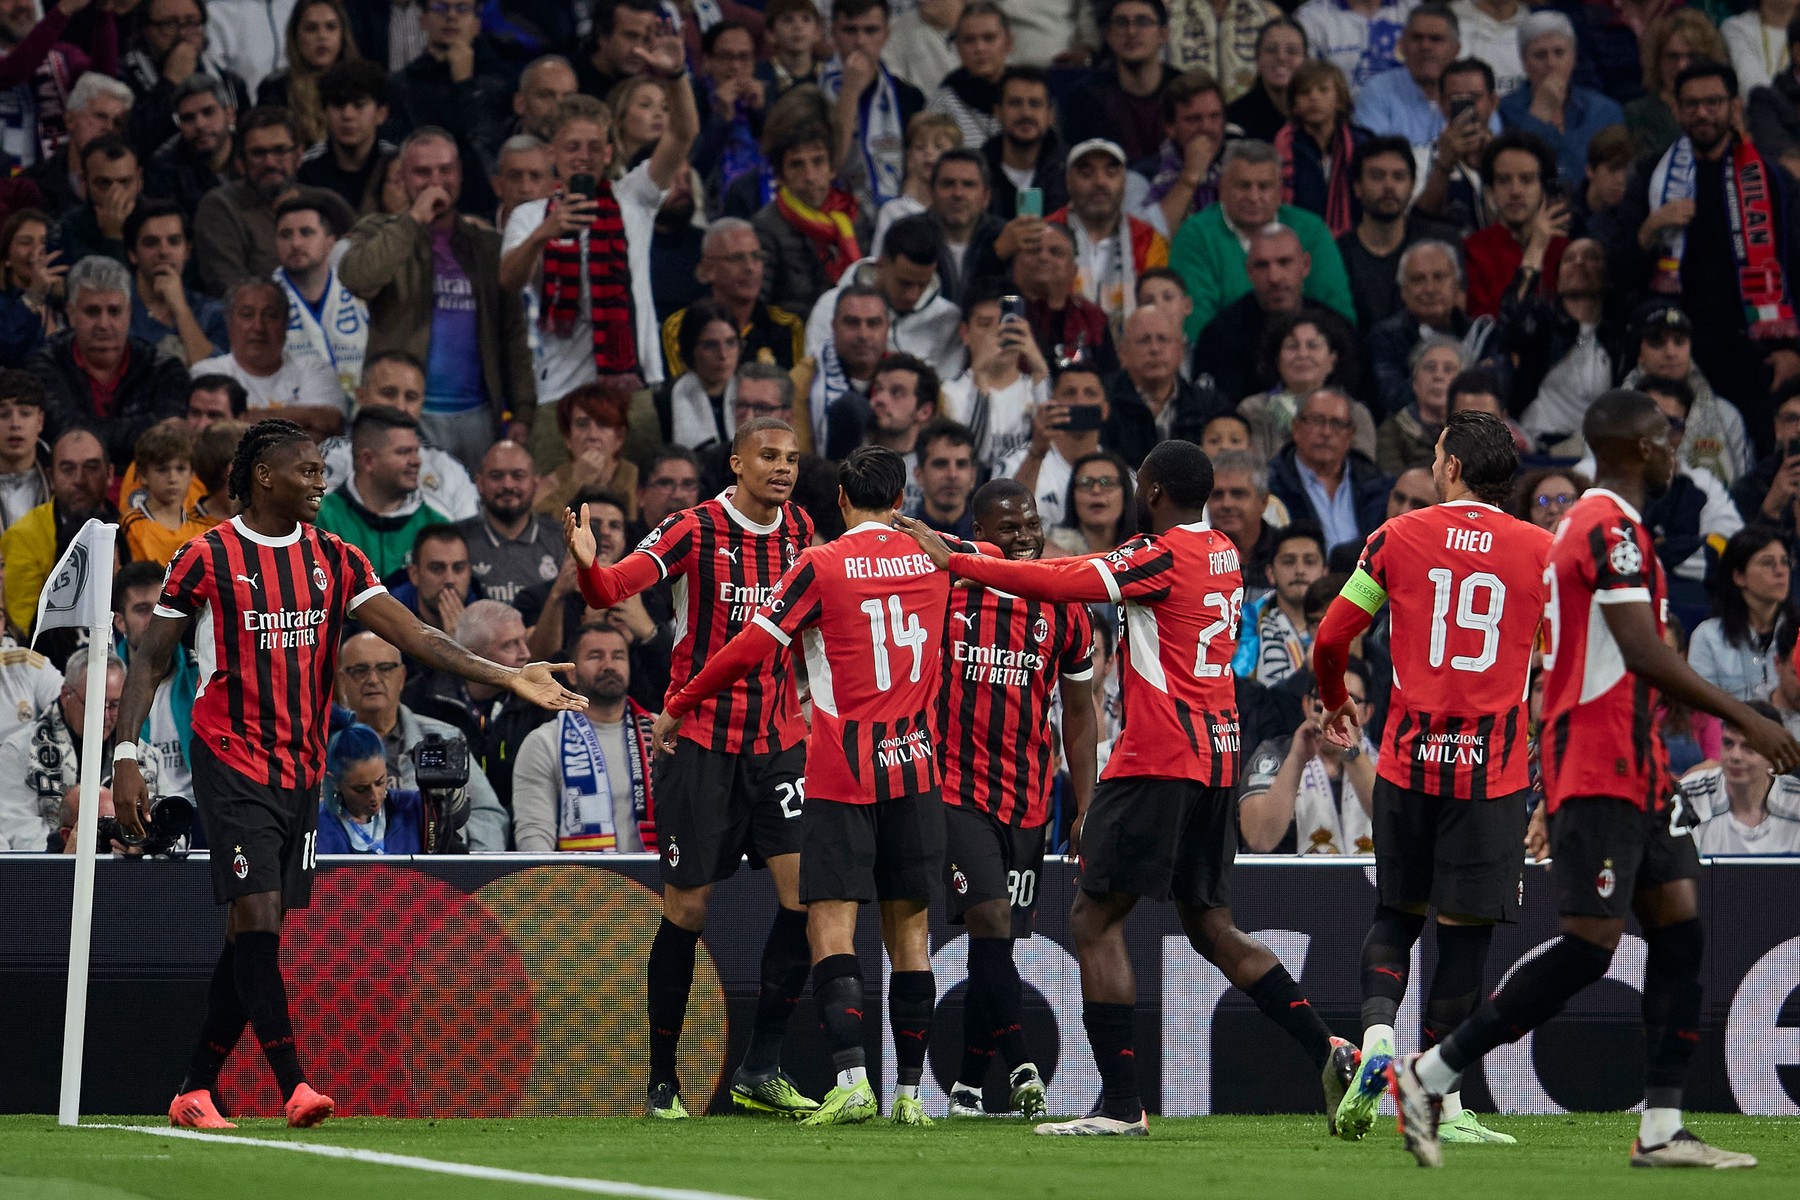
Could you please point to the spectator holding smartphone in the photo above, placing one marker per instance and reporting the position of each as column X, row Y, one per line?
column 1767, row 493
column 1062, row 431
column 1006, row 379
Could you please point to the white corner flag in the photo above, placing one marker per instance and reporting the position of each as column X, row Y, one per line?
column 79, row 595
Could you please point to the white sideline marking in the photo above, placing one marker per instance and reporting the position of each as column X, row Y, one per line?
column 567, row 1183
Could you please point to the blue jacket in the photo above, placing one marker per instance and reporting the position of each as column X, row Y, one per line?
column 1585, row 113
column 1369, row 487
column 405, row 826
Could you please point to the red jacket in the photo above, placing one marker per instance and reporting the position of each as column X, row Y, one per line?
column 1491, row 257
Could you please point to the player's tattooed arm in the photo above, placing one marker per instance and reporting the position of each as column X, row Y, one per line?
column 149, row 663
column 390, row 620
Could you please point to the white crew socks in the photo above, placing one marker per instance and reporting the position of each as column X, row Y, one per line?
column 1658, row 1125
column 1377, row 1039
column 906, row 1091
column 1452, row 1107
column 853, row 1076
column 1437, row 1077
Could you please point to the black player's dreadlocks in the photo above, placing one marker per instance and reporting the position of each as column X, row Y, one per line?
column 261, row 438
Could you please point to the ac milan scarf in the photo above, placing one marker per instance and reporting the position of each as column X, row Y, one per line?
column 831, row 230
column 1336, row 165
column 1749, row 211
column 607, row 282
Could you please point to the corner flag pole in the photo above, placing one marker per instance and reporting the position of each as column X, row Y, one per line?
column 79, row 594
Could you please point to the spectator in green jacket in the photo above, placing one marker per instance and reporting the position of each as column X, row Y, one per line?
column 379, row 509
column 1208, row 251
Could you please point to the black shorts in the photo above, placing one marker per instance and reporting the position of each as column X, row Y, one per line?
column 1161, row 839
column 713, row 808
column 261, row 838
column 889, row 850
column 985, row 860
column 1603, row 850
column 1465, row 858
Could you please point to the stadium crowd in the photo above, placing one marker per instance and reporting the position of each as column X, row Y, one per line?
column 506, row 259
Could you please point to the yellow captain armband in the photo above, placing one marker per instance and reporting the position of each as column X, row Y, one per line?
column 1364, row 592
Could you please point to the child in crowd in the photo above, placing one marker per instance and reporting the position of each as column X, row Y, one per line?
column 161, row 520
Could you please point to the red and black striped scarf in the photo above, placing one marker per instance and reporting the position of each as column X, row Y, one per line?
column 608, row 284
column 1335, row 163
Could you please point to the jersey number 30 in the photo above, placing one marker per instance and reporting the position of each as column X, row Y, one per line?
column 906, row 632
column 1474, row 612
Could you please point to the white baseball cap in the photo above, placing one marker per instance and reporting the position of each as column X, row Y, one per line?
column 1097, row 146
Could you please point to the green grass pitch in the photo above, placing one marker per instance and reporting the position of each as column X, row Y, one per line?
column 1269, row 1158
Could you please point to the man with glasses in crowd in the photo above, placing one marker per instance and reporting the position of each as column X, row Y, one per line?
column 732, row 266
column 1321, row 479
column 234, row 226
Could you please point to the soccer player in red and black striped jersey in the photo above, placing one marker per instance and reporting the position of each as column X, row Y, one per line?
column 269, row 595
column 1163, row 823
column 1619, row 848
column 736, row 780
column 1007, row 656
column 869, row 611
column 1464, row 582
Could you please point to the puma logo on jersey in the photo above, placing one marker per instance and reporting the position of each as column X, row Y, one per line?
column 966, row 618
column 729, row 552
column 252, row 580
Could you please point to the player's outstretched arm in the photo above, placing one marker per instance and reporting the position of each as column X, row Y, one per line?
column 749, row 647
column 389, row 620
column 149, row 663
column 1646, row 655
column 604, row 586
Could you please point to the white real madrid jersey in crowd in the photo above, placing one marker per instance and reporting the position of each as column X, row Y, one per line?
column 334, row 333
column 1721, row 832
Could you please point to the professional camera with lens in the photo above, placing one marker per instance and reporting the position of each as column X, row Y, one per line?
column 165, row 833
column 441, row 773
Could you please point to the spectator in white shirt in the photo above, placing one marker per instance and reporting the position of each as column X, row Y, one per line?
column 1742, row 805
column 1006, row 379
column 1062, row 430
column 580, row 146
column 279, row 383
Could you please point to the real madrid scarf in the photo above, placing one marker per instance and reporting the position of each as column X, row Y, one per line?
column 1749, row 212
column 607, row 282
column 586, row 820
column 879, row 134
column 1324, row 823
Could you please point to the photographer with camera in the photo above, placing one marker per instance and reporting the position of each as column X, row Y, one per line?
column 40, row 764
column 369, row 681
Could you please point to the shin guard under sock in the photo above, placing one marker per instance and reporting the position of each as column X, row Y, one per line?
column 1536, row 992
column 671, row 978
column 222, row 1027
column 911, row 995
column 838, row 995
column 1109, row 1033
column 786, row 960
column 1280, row 1000
column 257, row 968
column 1671, row 1009
column 1386, row 958
column 1456, row 983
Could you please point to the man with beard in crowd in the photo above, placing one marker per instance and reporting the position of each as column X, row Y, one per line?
column 202, row 152
column 511, row 548
column 234, row 226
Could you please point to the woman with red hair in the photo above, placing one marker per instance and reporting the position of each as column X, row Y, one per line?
column 592, row 420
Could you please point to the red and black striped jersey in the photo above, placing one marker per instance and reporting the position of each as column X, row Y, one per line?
column 270, row 614
column 1601, row 736
column 1004, row 658
column 724, row 567
column 1464, row 583
column 869, row 609
column 1180, row 595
